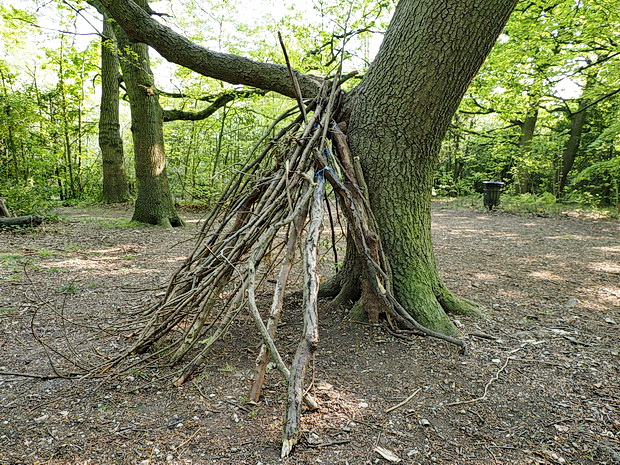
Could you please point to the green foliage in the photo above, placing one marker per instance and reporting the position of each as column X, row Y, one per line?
column 203, row 155
column 46, row 138
column 529, row 203
column 544, row 204
column 10, row 257
column 598, row 184
column 515, row 123
column 551, row 60
column 15, row 277
column 28, row 198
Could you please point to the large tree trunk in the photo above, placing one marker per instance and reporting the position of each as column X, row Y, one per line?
column 115, row 186
column 154, row 203
column 399, row 115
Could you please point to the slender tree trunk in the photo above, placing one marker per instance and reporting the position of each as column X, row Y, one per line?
column 154, row 203
column 218, row 143
column 68, row 157
column 522, row 172
column 10, row 149
column 571, row 149
column 399, row 115
column 115, row 186
column 577, row 121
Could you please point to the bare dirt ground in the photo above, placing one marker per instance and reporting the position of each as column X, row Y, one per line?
column 545, row 389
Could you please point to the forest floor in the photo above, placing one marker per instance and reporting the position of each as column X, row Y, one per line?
column 544, row 389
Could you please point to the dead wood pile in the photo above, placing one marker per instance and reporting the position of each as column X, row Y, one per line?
column 273, row 208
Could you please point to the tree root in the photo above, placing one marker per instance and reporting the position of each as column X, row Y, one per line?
column 452, row 303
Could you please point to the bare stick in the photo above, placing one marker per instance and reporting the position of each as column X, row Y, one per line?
column 36, row 376
column 486, row 387
column 276, row 306
column 258, row 251
column 404, row 401
column 310, row 339
column 268, row 341
column 291, row 72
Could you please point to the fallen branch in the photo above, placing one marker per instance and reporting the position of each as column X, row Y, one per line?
column 37, row 376
column 577, row 342
column 335, row 442
column 486, row 387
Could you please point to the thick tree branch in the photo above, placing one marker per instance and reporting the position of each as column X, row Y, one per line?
column 483, row 110
column 234, row 69
column 238, row 93
column 223, row 99
column 566, row 109
column 180, row 115
column 486, row 133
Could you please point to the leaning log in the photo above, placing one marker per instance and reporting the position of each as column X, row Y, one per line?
column 28, row 220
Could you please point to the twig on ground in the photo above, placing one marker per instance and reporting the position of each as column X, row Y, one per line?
column 576, row 341
column 404, row 401
column 37, row 376
column 335, row 442
column 495, row 377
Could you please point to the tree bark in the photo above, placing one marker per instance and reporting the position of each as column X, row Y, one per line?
column 115, row 186
column 154, row 203
column 4, row 210
column 528, row 127
column 28, row 220
column 181, row 115
column 399, row 115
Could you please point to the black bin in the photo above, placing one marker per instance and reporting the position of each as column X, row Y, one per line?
column 491, row 193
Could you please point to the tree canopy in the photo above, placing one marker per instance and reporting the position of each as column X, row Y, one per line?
column 552, row 60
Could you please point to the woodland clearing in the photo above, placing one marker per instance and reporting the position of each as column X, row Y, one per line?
column 539, row 385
